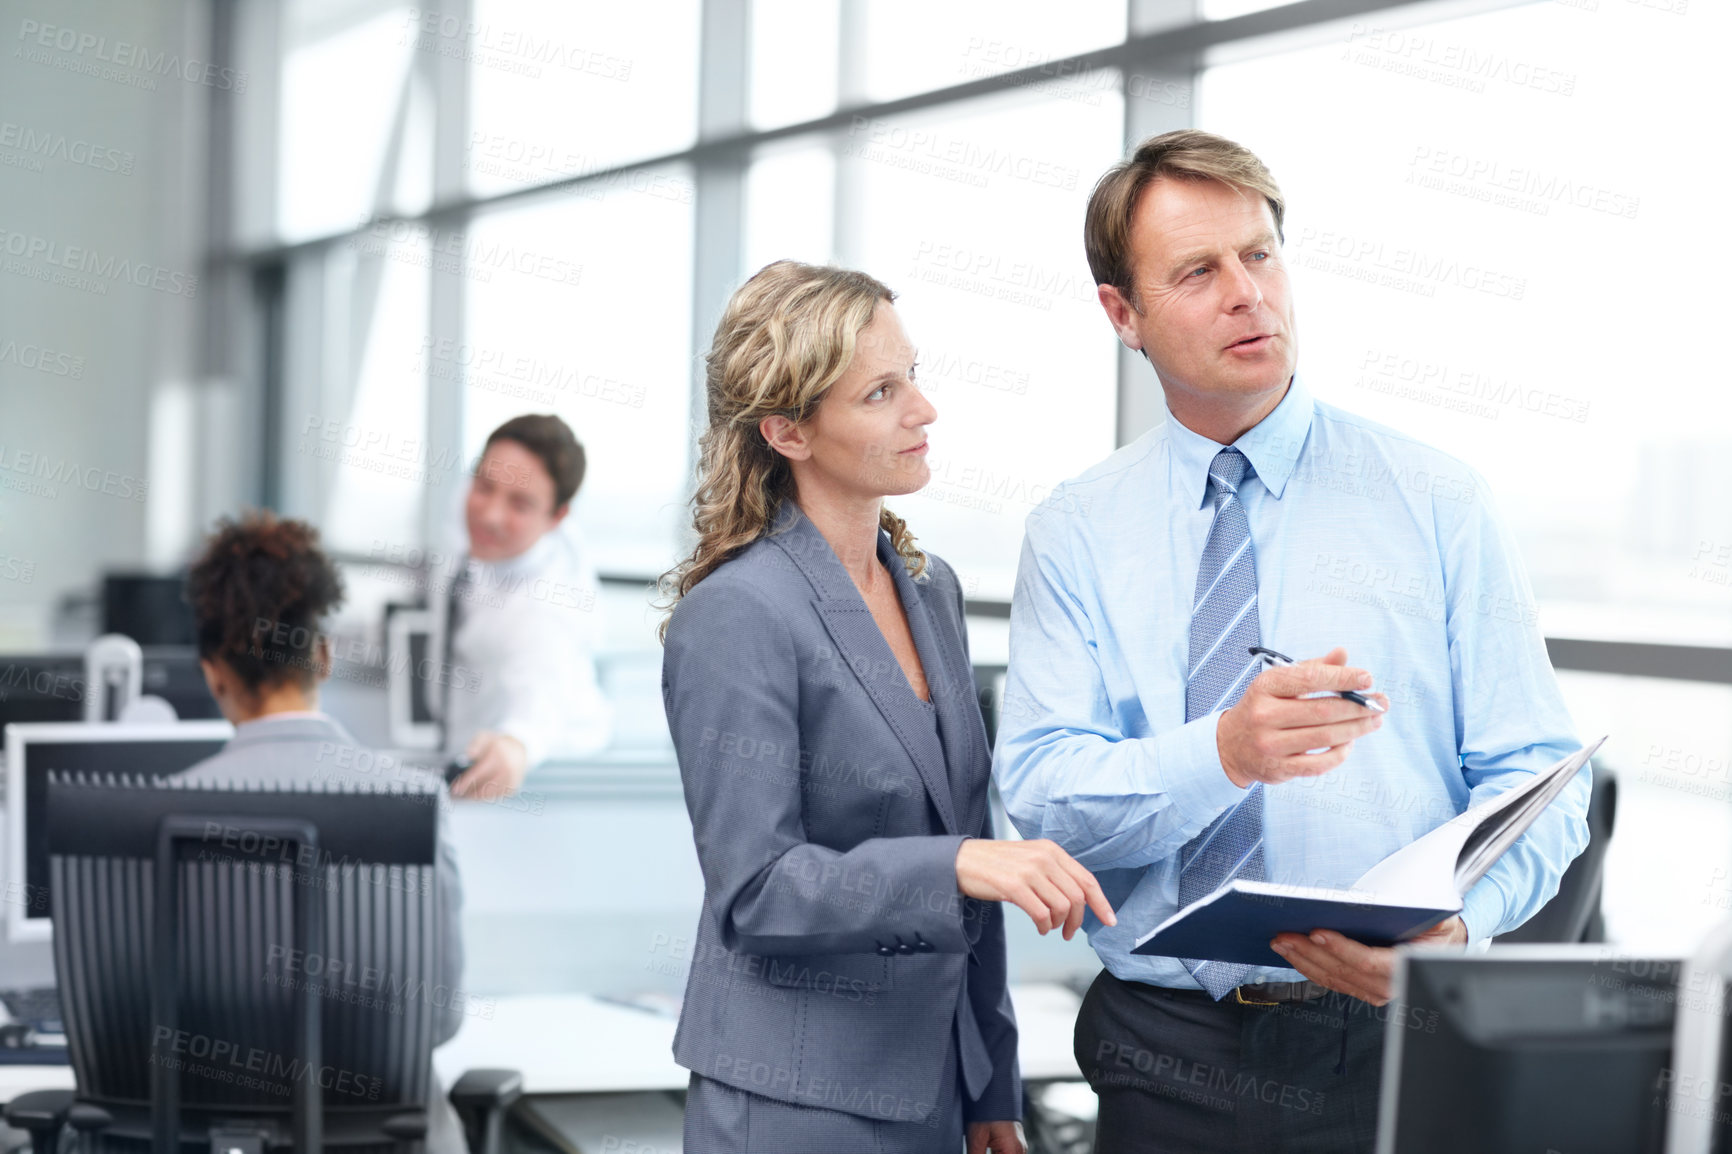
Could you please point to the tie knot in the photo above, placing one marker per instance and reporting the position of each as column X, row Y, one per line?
column 1228, row 469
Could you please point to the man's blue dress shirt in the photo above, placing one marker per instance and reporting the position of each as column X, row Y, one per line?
column 1364, row 538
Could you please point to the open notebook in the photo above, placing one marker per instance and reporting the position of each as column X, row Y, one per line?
column 1405, row 894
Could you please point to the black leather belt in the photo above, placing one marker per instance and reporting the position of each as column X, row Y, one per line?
column 1278, row 993
column 1260, row 994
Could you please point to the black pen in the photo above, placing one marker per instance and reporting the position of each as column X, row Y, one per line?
column 1274, row 658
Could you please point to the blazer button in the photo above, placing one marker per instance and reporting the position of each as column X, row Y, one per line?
column 904, row 948
column 925, row 946
column 886, row 951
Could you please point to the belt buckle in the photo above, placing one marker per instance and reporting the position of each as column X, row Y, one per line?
column 1239, row 996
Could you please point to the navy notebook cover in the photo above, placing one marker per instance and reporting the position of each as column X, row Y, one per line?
column 1237, row 926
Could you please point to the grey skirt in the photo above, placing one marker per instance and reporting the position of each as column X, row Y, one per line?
column 723, row 1119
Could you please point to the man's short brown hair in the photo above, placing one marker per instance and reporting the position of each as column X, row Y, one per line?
column 1186, row 154
column 553, row 442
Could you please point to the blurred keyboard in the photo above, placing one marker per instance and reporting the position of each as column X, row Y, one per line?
column 34, row 1034
column 38, row 1008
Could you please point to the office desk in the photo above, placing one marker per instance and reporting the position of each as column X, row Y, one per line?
column 566, row 1044
column 574, row 1043
column 1045, row 1026
column 16, row 1080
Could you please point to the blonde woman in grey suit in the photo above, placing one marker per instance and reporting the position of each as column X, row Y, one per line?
column 848, row 988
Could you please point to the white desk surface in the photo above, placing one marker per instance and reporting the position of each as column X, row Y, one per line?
column 566, row 1044
column 16, row 1080
column 574, row 1043
column 1046, row 1028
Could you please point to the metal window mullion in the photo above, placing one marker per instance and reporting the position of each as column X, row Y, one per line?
column 724, row 72
column 447, row 299
column 848, row 210
column 1139, row 404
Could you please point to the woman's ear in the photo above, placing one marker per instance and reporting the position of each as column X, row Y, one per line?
column 785, row 437
column 215, row 677
column 227, row 690
column 322, row 659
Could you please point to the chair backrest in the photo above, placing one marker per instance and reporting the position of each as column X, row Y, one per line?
column 1572, row 915
column 989, row 688
column 242, row 959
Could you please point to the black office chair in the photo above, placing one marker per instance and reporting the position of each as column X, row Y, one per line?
column 1573, row 914
column 247, row 970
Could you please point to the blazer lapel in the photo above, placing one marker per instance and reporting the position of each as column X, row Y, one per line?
column 861, row 645
column 951, row 684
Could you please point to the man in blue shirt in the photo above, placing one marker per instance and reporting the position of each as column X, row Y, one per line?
column 1138, row 733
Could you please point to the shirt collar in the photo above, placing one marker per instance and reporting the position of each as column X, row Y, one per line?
column 531, row 560
column 1271, row 446
column 290, row 723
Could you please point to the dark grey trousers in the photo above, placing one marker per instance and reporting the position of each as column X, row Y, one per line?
column 1176, row 1071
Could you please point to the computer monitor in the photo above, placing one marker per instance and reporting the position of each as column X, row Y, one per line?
column 409, row 658
column 173, row 674
column 1528, row 1048
column 33, row 750
column 38, row 687
column 150, row 609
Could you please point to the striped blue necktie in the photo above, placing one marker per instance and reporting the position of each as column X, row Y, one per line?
column 1223, row 628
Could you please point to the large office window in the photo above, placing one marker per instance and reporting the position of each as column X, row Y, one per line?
column 356, row 122
column 597, row 332
column 790, row 214
column 974, row 215
column 355, row 456
column 1475, row 216
column 970, row 210
column 1496, row 247
column 909, row 46
column 796, row 61
column 1496, row 231
column 566, row 89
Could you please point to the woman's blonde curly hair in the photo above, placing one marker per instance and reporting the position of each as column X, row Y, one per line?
column 787, row 335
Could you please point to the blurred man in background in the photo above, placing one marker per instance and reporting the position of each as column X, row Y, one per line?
column 521, row 610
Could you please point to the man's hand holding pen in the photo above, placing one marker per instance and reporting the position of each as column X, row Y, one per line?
column 1270, row 735
column 1278, row 732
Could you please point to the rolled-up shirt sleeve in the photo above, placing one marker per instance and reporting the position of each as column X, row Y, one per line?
column 1065, row 765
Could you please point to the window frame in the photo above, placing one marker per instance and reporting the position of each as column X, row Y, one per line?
column 1165, row 39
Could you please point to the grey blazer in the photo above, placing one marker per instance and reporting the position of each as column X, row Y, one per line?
column 301, row 750
column 834, row 954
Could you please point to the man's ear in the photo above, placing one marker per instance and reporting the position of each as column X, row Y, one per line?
column 1120, row 315
column 559, row 515
column 785, row 437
